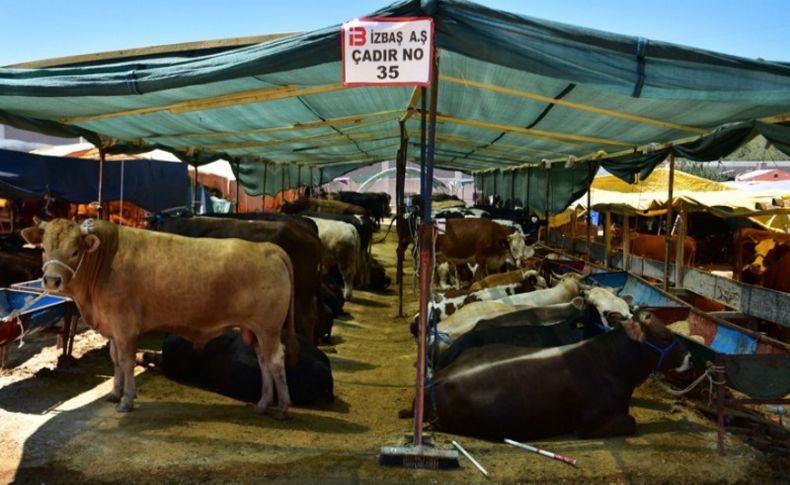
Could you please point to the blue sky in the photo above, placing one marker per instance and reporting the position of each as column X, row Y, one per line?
column 41, row 29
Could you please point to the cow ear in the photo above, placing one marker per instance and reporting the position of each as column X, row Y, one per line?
column 33, row 235
column 634, row 331
column 92, row 242
column 628, row 299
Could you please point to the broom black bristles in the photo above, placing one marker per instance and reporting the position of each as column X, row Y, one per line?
column 423, row 457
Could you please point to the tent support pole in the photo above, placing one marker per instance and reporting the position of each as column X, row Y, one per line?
column 263, row 191
column 196, row 193
column 238, row 165
column 679, row 255
column 512, row 189
column 668, row 221
column 401, row 224
column 102, row 162
column 589, row 210
column 547, row 211
column 607, row 238
column 626, row 243
column 426, row 256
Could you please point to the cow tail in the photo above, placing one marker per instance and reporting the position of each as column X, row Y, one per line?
column 291, row 343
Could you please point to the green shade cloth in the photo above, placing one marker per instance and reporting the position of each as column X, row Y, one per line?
column 277, row 105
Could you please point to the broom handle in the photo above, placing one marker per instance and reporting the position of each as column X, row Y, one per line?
column 547, row 454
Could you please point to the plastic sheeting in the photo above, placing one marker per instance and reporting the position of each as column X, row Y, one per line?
column 152, row 185
column 691, row 193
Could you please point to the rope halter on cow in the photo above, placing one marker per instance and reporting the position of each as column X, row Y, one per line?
column 87, row 227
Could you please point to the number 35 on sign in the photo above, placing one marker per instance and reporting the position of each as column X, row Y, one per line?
column 387, row 51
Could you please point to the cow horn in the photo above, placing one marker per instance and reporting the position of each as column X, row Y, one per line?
column 38, row 222
column 88, row 226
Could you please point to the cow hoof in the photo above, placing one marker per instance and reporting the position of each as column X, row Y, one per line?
column 280, row 415
column 113, row 398
column 405, row 414
column 260, row 410
column 124, row 408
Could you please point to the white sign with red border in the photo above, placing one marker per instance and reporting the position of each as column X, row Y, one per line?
column 392, row 51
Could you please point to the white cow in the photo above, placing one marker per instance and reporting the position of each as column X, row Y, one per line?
column 606, row 301
column 567, row 289
column 341, row 247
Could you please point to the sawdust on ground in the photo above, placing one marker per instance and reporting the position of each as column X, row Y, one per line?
column 56, row 427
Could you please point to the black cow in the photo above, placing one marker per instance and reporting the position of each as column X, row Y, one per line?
column 301, row 244
column 269, row 216
column 376, row 205
column 538, row 327
column 379, row 280
column 500, row 391
column 230, row 367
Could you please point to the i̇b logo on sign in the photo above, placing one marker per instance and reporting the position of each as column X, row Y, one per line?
column 387, row 51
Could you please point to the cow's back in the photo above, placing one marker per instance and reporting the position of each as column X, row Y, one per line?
column 300, row 243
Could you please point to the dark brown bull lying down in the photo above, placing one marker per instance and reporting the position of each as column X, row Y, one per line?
column 128, row 281
column 501, row 391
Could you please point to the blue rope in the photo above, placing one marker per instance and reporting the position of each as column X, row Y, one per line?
column 662, row 352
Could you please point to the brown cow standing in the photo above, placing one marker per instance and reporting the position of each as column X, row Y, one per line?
column 128, row 281
column 652, row 247
column 479, row 241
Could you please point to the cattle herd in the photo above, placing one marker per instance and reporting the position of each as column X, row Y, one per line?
column 515, row 350
column 530, row 354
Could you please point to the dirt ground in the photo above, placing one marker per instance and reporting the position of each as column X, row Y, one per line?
column 55, row 426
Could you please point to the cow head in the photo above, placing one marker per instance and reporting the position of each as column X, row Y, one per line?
column 614, row 310
column 652, row 332
column 518, row 248
column 761, row 250
column 65, row 245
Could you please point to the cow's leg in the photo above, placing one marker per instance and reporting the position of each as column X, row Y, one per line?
column 117, row 387
column 267, row 394
column 272, row 357
column 347, row 272
column 620, row 424
column 125, row 349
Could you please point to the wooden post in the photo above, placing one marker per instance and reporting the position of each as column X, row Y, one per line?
column 607, row 237
column 626, row 243
column 668, row 227
column 679, row 249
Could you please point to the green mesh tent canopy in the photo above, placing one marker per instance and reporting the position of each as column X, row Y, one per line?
column 513, row 91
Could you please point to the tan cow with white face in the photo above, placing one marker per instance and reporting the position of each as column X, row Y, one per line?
column 129, row 281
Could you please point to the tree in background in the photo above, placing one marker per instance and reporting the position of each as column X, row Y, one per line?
column 706, row 170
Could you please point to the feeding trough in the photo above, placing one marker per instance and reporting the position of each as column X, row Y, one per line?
column 26, row 310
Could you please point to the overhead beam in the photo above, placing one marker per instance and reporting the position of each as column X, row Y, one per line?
column 214, row 102
column 572, row 105
column 310, row 125
column 415, row 98
column 321, row 137
column 556, row 137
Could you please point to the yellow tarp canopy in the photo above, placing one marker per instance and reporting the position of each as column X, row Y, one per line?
column 649, row 198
